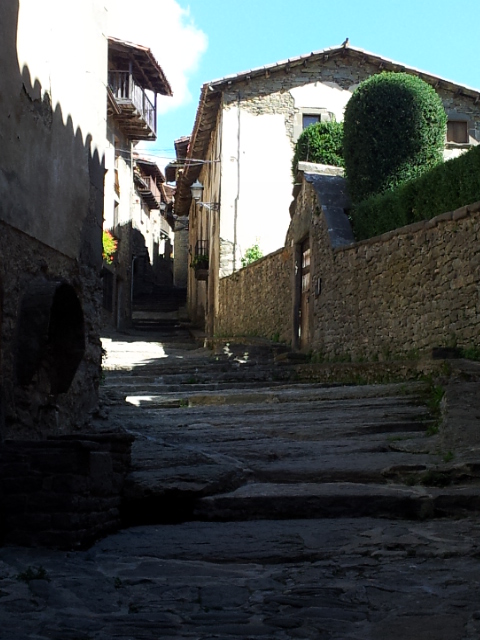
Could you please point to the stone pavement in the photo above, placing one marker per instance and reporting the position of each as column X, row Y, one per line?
column 261, row 505
column 355, row 579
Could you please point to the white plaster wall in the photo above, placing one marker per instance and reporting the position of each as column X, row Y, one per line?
column 125, row 181
column 57, row 55
column 256, row 183
column 322, row 95
column 110, row 197
column 150, row 223
column 64, row 46
column 451, row 153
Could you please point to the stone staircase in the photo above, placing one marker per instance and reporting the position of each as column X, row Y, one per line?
column 245, row 432
column 159, row 309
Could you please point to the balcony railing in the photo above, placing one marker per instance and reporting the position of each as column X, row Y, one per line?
column 128, row 93
column 149, row 191
column 201, row 248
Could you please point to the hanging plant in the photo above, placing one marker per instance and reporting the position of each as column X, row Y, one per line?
column 110, row 245
column 199, row 262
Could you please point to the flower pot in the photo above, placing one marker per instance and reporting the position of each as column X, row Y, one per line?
column 201, row 274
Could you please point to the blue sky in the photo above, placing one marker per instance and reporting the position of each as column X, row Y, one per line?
column 437, row 36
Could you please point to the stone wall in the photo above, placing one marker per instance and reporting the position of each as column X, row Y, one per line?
column 401, row 294
column 256, row 300
column 407, row 291
column 269, row 94
column 51, row 210
column 62, row 492
column 30, row 409
column 181, row 260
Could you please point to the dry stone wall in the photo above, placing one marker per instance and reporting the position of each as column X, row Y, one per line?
column 256, row 300
column 401, row 294
column 409, row 290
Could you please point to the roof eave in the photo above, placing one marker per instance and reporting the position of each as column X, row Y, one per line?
column 211, row 92
column 161, row 87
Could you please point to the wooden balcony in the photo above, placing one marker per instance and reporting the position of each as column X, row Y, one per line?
column 136, row 113
column 149, row 191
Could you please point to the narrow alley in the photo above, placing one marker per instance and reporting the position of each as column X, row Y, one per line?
column 261, row 504
column 239, row 322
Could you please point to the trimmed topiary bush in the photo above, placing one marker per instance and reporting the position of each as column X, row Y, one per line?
column 394, row 130
column 446, row 187
column 321, row 142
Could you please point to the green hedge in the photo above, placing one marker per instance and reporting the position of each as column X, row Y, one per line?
column 320, row 142
column 394, row 130
column 446, row 187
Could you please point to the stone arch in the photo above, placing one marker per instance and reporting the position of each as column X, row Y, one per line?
column 50, row 335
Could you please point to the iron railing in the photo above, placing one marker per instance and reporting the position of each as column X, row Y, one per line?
column 201, row 248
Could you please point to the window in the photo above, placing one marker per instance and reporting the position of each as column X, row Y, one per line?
column 308, row 119
column 305, row 116
column 457, row 131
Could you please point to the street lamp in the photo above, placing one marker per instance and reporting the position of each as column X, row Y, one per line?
column 196, row 190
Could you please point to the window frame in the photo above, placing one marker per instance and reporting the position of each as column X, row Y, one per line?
column 324, row 115
column 458, row 117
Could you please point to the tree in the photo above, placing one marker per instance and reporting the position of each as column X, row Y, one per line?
column 394, row 130
column 321, row 142
column 252, row 254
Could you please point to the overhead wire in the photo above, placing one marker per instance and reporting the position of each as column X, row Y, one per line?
column 192, row 161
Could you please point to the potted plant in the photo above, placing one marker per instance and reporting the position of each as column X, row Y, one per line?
column 200, row 265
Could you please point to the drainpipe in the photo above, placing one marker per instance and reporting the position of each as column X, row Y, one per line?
column 238, row 186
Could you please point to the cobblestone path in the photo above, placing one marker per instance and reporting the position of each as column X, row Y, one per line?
column 261, row 505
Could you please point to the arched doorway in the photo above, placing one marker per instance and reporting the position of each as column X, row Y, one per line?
column 50, row 335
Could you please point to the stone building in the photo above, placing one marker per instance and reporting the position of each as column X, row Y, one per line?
column 52, row 129
column 181, row 255
column 60, row 481
column 250, row 121
column 133, row 187
column 152, row 217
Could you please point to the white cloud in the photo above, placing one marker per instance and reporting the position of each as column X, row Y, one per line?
column 169, row 31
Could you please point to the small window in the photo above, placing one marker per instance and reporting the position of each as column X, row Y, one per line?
column 309, row 119
column 457, row 131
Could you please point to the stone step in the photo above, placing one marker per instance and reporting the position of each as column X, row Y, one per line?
column 133, row 387
column 194, row 376
column 262, row 501
column 261, row 396
column 205, row 369
column 281, row 393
